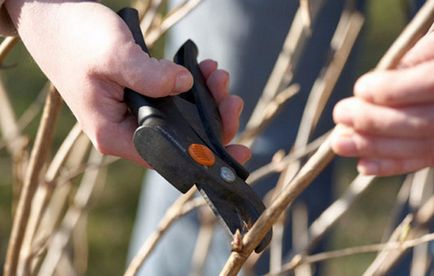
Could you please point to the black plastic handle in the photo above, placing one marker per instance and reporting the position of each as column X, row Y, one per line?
column 133, row 99
column 144, row 107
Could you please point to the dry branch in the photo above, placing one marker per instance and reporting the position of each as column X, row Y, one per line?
column 180, row 207
column 6, row 46
column 42, row 196
column 81, row 201
column 320, row 159
column 288, row 59
column 151, row 14
column 203, row 242
column 341, row 45
column 387, row 247
column 37, row 160
column 171, row 19
column 58, row 199
column 409, row 228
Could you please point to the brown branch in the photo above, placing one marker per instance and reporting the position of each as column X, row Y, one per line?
column 387, row 247
column 276, row 166
column 42, row 196
column 269, row 113
column 309, row 171
column 203, row 242
column 72, row 217
column 6, row 47
column 59, row 199
column 288, row 59
column 37, row 160
column 306, row 14
column 171, row 19
column 409, row 228
column 324, row 154
column 25, row 119
column 180, row 207
column 150, row 15
column 342, row 43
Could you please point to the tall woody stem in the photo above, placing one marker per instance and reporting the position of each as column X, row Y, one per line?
column 417, row 28
column 37, row 160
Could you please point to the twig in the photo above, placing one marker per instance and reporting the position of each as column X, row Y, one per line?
column 279, row 165
column 203, row 242
column 353, row 251
column 271, row 110
column 72, row 217
column 150, row 15
column 331, row 215
column 26, row 118
column 6, row 46
column 42, row 196
column 341, row 45
column 417, row 28
column 288, row 59
column 9, row 126
column 180, row 207
column 171, row 19
column 397, row 210
column 59, row 199
column 306, row 14
column 309, row 171
column 320, row 159
column 300, row 224
column 37, row 159
column 342, row 42
column 409, row 228
column 337, row 209
column 142, row 7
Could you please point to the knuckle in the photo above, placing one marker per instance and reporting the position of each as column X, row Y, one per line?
column 163, row 82
column 365, row 123
column 385, row 97
column 423, row 126
column 364, row 146
column 100, row 140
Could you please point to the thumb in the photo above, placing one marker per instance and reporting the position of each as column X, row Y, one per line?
column 149, row 76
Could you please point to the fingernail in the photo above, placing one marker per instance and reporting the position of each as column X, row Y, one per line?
column 343, row 114
column 368, row 167
column 346, row 145
column 343, row 142
column 183, row 81
column 363, row 87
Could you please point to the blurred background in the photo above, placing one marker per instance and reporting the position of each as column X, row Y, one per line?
column 112, row 213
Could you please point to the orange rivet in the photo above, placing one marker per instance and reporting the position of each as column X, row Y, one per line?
column 201, row 154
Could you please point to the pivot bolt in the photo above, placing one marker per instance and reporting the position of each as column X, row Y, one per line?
column 227, row 174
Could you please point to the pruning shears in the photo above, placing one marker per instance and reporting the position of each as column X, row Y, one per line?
column 179, row 136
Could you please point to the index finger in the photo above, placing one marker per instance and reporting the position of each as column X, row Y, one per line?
column 401, row 87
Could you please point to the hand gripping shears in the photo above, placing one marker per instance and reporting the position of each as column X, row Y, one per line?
column 179, row 137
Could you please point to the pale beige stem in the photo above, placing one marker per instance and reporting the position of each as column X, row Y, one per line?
column 42, row 196
column 37, row 160
column 80, row 203
column 6, row 47
column 150, row 15
column 288, row 59
column 180, row 207
column 170, row 20
column 410, row 227
column 203, row 242
column 388, row 247
column 324, row 154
